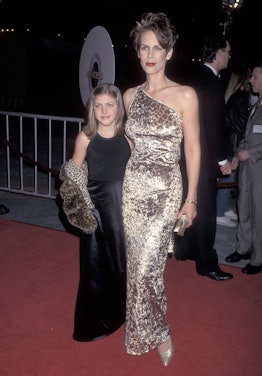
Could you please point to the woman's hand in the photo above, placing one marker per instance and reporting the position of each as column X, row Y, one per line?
column 190, row 210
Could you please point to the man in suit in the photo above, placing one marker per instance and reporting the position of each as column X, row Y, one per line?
column 248, row 158
column 198, row 240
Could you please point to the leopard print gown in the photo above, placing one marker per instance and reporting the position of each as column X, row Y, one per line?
column 152, row 193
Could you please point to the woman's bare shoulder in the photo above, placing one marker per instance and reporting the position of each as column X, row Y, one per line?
column 184, row 91
column 128, row 96
column 185, row 95
column 129, row 93
column 180, row 96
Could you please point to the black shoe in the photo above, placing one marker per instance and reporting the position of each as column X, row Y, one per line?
column 3, row 209
column 235, row 257
column 218, row 275
column 251, row 269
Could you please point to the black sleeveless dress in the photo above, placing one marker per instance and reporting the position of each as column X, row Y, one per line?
column 101, row 297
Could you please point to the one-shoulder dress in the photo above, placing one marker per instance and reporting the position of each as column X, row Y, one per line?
column 101, row 296
column 152, row 194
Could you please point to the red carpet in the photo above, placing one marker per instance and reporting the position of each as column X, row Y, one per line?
column 216, row 326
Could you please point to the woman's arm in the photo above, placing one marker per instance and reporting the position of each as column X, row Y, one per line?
column 192, row 151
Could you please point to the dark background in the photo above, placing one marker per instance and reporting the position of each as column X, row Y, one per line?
column 39, row 70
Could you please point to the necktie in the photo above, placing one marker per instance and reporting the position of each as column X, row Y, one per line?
column 255, row 107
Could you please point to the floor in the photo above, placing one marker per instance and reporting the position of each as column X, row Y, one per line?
column 45, row 212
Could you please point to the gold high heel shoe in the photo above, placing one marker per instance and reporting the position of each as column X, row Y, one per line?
column 167, row 355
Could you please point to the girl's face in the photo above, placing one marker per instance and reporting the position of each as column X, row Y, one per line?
column 152, row 56
column 105, row 109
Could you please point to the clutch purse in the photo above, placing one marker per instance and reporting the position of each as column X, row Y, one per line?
column 181, row 225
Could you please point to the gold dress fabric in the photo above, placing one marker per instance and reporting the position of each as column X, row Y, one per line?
column 152, row 192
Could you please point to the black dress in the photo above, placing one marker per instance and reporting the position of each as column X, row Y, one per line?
column 101, row 297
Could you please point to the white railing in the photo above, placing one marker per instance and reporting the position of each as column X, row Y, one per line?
column 33, row 148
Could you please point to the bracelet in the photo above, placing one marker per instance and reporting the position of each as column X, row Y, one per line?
column 193, row 202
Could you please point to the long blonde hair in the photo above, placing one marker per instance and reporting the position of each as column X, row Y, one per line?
column 239, row 79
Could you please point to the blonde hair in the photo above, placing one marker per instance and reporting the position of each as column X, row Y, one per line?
column 90, row 128
column 239, row 79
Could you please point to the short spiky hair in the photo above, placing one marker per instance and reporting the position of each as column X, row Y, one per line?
column 160, row 24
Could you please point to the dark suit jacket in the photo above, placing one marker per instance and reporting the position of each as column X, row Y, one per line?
column 213, row 132
column 198, row 240
column 210, row 90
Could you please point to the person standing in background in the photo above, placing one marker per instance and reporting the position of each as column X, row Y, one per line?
column 97, row 169
column 160, row 112
column 248, row 158
column 198, row 240
column 237, row 99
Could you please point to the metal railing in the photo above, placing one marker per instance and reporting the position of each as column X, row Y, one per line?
column 33, row 148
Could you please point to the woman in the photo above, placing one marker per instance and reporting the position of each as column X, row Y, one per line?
column 160, row 112
column 104, row 148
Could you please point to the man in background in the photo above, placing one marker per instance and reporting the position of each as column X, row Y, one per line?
column 198, row 240
column 248, row 158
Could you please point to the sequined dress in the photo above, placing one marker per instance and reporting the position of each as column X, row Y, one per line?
column 152, row 191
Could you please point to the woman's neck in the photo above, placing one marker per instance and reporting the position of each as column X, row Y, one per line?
column 153, row 85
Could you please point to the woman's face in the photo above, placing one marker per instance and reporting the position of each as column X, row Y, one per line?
column 152, row 56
